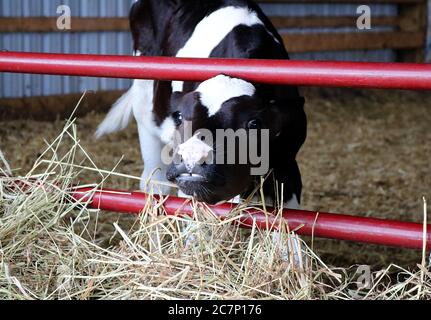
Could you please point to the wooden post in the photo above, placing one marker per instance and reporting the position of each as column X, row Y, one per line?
column 413, row 18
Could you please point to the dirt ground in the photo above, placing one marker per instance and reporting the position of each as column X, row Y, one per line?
column 367, row 153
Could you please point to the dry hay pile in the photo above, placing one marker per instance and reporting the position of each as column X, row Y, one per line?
column 54, row 248
column 367, row 153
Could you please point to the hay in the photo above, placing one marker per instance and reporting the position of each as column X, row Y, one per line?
column 367, row 153
column 54, row 248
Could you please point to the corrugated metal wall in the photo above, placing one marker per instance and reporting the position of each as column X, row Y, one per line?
column 335, row 10
column 12, row 85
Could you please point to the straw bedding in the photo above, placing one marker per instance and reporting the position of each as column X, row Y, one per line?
column 367, row 153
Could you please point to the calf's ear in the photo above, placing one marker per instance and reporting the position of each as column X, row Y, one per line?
column 291, row 122
column 285, row 111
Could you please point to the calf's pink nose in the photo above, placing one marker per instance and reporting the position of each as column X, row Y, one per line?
column 193, row 151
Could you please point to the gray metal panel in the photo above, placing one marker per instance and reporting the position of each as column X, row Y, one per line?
column 12, row 85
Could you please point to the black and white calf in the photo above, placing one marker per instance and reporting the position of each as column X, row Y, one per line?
column 201, row 29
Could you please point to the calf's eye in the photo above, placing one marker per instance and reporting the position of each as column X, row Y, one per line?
column 178, row 118
column 254, row 124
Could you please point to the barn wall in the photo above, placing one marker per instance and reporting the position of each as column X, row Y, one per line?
column 12, row 85
column 428, row 45
column 335, row 10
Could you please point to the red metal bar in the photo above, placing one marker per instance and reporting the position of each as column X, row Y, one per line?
column 323, row 225
column 302, row 73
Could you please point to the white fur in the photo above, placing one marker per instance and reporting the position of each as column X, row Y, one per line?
column 183, row 195
column 139, row 102
column 214, row 92
column 293, row 249
column 211, row 30
column 121, row 112
column 154, row 169
column 118, row 117
column 292, row 203
column 167, row 130
column 149, row 137
column 236, row 200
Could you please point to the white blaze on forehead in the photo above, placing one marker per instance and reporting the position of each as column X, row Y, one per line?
column 211, row 30
column 215, row 91
column 192, row 151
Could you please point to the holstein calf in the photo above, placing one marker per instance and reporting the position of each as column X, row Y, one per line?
column 165, row 110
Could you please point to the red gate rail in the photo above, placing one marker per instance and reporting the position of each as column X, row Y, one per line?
column 302, row 73
column 323, row 225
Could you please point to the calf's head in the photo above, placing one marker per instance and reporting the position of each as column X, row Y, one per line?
column 221, row 137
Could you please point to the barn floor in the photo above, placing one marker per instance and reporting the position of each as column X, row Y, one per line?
column 367, row 153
